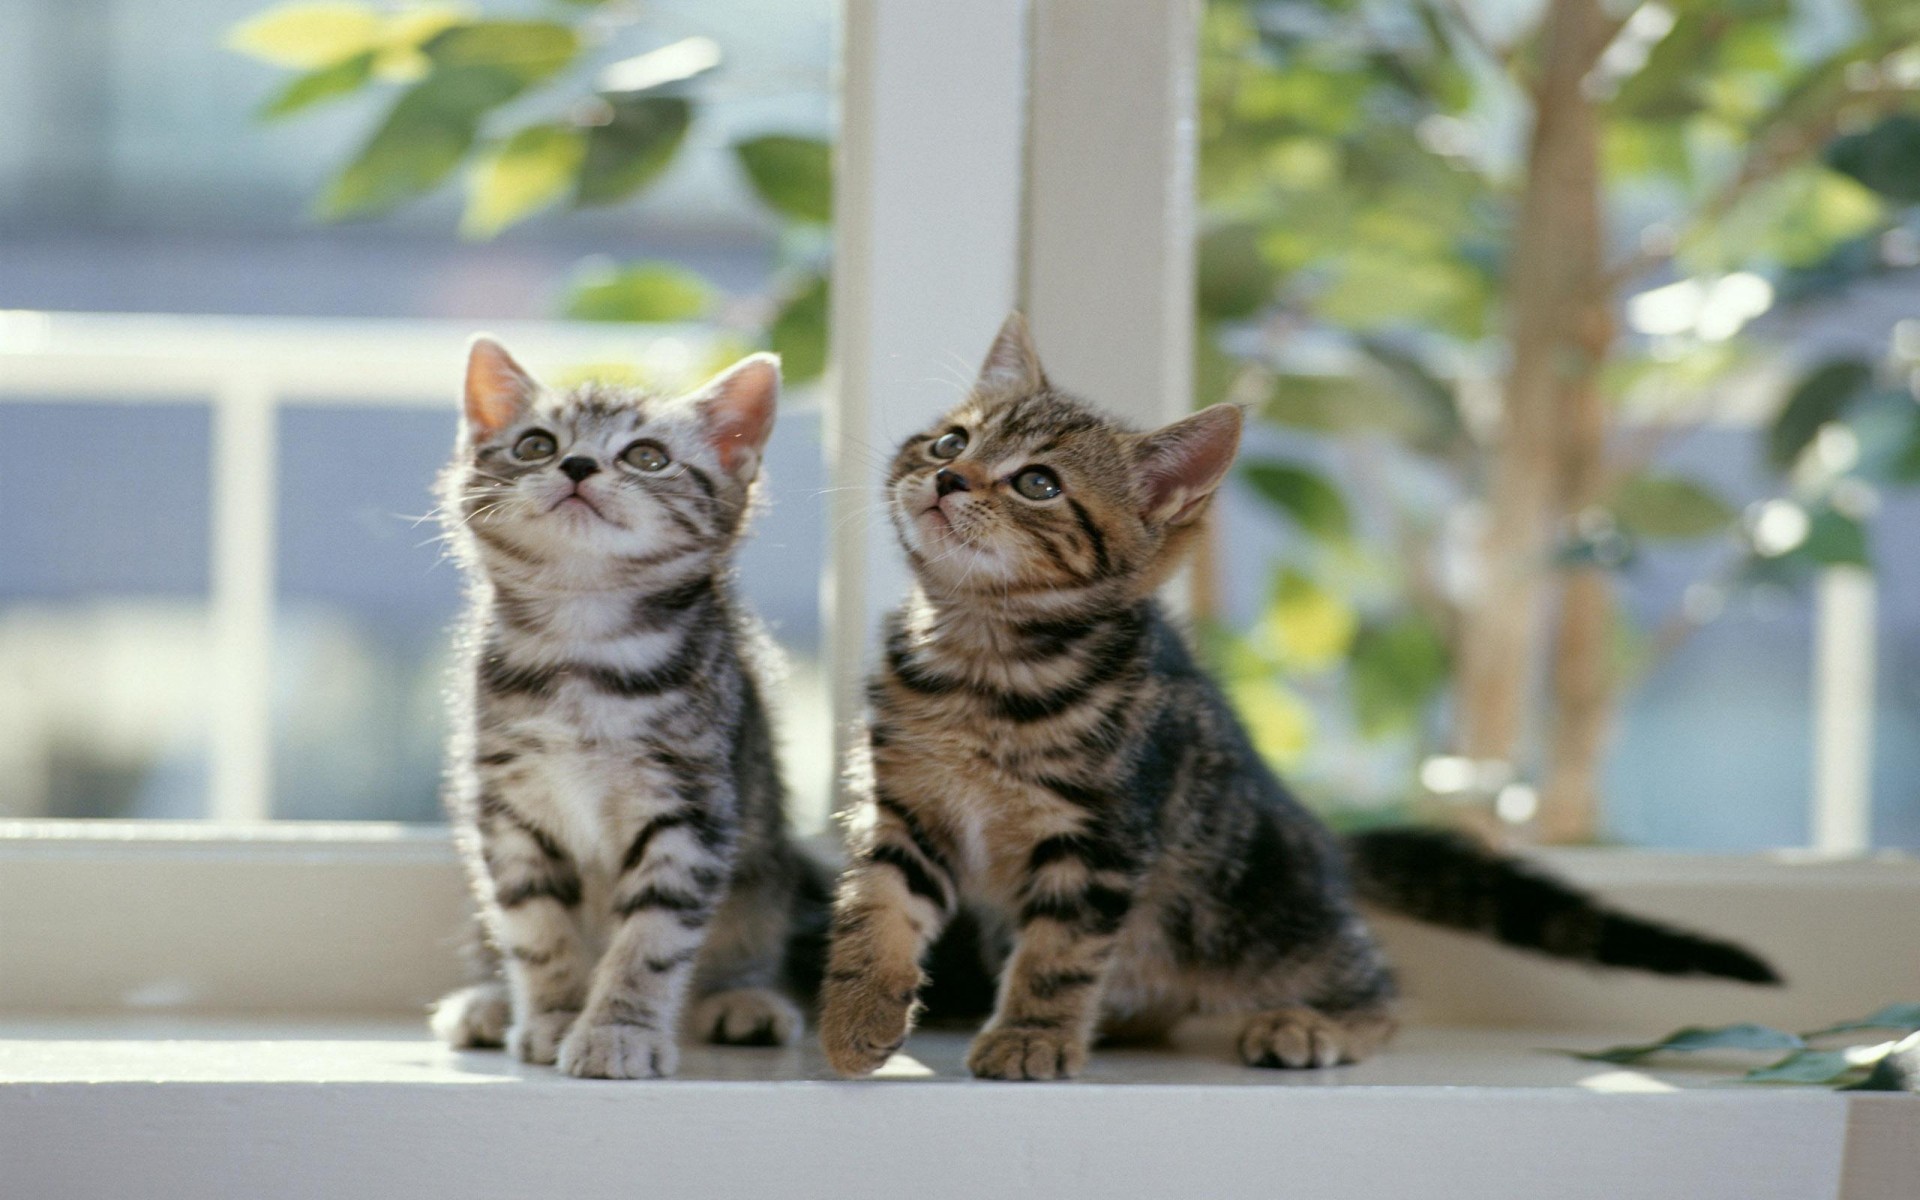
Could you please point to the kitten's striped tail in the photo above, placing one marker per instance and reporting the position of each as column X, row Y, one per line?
column 1448, row 879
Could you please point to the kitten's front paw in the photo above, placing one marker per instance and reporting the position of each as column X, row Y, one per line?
column 535, row 1038
column 1026, row 1054
column 746, row 1017
column 1301, row 1037
column 473, row 1017
column 618, row 1052
column 863, row 1022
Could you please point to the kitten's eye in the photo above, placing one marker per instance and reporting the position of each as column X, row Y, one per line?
column 1037, row 483
column 645, row 456
column 535, row 445
column 949, row 444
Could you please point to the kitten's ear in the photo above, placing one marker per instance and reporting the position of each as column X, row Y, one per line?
column 1182, row 463
column 498, row 388
column 737, row 408
column 1012, row 364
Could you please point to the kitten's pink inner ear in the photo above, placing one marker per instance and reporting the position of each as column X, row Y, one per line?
column 737, row 409
column 498, row 388
column 1013, row 364
column 1183, row 463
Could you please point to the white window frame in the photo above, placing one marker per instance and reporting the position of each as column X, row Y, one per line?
column 992, row 155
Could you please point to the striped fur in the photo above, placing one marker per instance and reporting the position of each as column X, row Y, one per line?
column 1045, row 758
column 1448, row 879
column 613, row 782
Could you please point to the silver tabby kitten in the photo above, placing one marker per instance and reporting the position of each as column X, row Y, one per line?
column 613, row 784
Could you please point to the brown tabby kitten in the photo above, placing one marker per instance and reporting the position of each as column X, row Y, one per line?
column 613, row 784
column 1043, row 749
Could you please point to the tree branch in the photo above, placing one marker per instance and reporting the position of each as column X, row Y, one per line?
column 1772, row 153
column 1469, row 28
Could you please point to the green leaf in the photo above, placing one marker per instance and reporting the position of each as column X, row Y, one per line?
column 531, row 50
column 632, row 148
column 1310, row 626
column 1669, row 506
column 1822, row 396
column 1835, row 539
column 1315, row 505
column 1895, row 18
column 1696, row 1038
column 1605, row 545
column 799, row 332
column 1669, row 84
column 1235, row 278
column 1278, row 721
column 319, row 85
column 1903, row 1017
column 1905, row 465
column 307, row 36
column 1811, row 1066
column 792, row 175
column 643, row 292
column 523, row 175
column 429, row 130
column 1395, row 669
column 1885, row 158
column 1349, row 402
column 1429, row 395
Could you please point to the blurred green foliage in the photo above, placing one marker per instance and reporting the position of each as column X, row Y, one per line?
column 1361, row 164
column 1361, row 167
column 537, row 119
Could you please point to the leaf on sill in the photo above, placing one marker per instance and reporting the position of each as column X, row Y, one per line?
column 1695, row 1038
column 1819, row 1066
column 1897, row 1071
column 1903, row 1017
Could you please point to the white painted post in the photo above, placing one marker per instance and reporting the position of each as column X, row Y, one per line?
column 993, row 154
column 927, row 192
column 1108, row 284
column 244, row 472
column 1843, row 710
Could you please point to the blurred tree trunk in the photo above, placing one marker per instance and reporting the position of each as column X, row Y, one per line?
column 1583, row 685
column 1552, row 429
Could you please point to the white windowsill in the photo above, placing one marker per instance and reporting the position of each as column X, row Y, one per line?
column 185, row 917
column 153, row 924
column 153, row 1049
column 217, row 1108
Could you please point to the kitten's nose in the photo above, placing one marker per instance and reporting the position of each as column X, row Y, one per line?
column 577, row 468
column 946, row 480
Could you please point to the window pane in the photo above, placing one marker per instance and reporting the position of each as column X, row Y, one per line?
column 365, row 602
column 104, row 644
column 137, row 176
column 1896, row 775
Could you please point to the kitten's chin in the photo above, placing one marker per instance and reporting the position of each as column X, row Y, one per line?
column 951, row 564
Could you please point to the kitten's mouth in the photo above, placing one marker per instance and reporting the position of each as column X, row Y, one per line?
column 937, row 516
column 573, row 501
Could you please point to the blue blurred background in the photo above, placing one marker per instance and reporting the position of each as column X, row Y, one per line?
column 132, row 180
